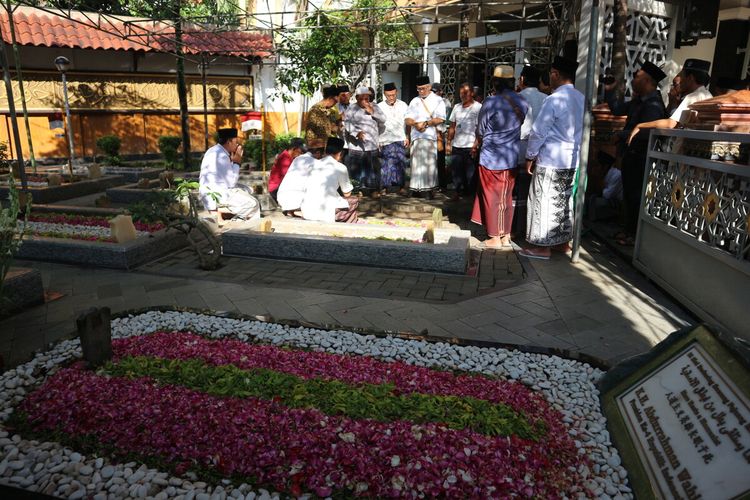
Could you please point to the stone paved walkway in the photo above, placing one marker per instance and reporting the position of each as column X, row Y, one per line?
column 601, row 306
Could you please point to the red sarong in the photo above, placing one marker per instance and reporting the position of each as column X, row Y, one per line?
column 493, row 205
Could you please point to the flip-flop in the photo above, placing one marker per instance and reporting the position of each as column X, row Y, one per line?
column 529, row 255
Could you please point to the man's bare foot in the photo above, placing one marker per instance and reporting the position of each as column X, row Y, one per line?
column 493, row 242
column 562, row 248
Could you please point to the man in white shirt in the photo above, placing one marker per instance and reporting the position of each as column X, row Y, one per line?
column 220, row 172
column 552, row 158
column 528, row 83
column 462, row 144
column 693, row 80
column 363, row 124
column 393, row 141
column 321, row 201
column 293, row 186
column 424, row 114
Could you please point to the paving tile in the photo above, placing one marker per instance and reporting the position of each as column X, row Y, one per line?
column 110, row 290
column 485, row 318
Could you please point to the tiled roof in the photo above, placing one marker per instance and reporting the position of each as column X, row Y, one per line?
column 93, row 31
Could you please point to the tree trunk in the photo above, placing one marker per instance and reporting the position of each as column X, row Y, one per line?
column 182, row 88
column 619, row 46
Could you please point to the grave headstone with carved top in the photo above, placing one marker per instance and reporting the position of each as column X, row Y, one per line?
column 680, row 417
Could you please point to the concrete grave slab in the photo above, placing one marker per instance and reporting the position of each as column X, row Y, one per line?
column 361, row 244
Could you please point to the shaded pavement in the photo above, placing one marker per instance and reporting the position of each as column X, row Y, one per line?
column 600, row 307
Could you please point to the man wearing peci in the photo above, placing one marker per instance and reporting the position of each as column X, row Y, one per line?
column 219, row 176
column 424, row 114
column 552, row 157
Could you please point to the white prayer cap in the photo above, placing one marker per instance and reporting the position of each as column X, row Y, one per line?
column 362, row 91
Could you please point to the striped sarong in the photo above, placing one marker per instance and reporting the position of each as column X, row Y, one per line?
column 493, row 204
column 549, row 220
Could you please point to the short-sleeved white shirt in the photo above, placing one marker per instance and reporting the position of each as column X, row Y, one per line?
column 321, row 196
column 423, row 110
column 466, row 124
column 293, row 186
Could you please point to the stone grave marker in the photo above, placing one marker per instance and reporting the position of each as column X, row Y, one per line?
column 437, row 217
column 680, row 416
column 122, row 228
column 54, row 179
column 94, row 330
column 95, row 171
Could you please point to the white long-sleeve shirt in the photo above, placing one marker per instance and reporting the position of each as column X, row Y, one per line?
column 218, row 175
column 395, row 130
column 555, row 139
column 535, row 98
column 358, row 120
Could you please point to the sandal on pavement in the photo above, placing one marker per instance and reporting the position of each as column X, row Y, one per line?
column 532, row 254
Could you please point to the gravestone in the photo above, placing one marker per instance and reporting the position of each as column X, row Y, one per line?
column 437, row 217
column 680, row 416
column 54, row 179
column 94, row 330
column 95, row 171
column 122, row 228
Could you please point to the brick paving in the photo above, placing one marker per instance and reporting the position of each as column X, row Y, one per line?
column 601, row 306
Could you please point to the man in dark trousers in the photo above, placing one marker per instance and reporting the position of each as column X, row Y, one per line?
column 645, row 106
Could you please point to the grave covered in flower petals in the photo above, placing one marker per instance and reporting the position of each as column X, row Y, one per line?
column 85, row 237
column 205, row 404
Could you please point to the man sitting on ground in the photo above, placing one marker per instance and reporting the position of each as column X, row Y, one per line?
column 322, row 201
column 220, row 173
column 292, row 188
column 282, row 163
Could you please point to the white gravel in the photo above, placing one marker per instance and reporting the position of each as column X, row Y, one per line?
column 47, row 467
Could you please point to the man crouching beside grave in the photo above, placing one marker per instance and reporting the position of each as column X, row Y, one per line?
column 322, row 201
column 220, row 173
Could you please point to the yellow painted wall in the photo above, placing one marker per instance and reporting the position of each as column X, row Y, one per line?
column 139, row 132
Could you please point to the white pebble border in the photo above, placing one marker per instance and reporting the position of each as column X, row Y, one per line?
column 28, row 184
column 81, row 230
column 49, row 468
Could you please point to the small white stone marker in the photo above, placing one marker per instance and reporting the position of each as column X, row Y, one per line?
column 122, row 228
column 437, row 217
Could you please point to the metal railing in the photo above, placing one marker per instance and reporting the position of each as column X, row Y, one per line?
column 697, row 183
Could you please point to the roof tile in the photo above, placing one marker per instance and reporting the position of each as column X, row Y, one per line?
column 41, row 28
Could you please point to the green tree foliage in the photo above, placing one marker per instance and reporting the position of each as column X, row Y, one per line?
column 318, row 53
column 209, row 11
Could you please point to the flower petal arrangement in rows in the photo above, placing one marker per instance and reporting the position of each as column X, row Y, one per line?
column 310, row 422
column 80, row 227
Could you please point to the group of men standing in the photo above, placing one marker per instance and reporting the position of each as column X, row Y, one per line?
column 517, row 130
